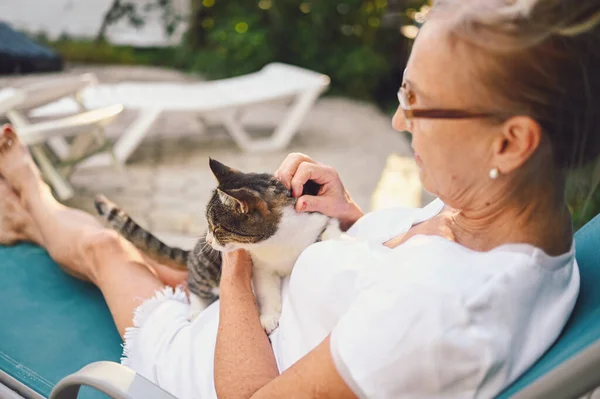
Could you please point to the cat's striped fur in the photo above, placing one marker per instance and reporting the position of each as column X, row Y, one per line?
column 203, row 262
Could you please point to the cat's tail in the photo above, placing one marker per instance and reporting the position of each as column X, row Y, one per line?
column 120, row 221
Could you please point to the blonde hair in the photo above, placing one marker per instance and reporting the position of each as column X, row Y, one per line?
column 540, row 58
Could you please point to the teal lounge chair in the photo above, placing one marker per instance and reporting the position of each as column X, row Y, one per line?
column 56, row 335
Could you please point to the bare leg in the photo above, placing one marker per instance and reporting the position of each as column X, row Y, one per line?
column 168, row 275
column 76, row 240
column 15, row 223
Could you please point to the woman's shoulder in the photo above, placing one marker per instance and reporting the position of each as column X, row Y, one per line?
column 451, row 305
column 439, row 261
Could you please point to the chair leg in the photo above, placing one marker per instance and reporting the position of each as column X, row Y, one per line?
column 127, row 143
column 60, row 147
column 283, row 133
column 287, row 128
column 237, row 131
column 81, row 145
column 130, row 140
column 61, row 187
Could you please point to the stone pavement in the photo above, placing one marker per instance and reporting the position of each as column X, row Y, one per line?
column 167, row 181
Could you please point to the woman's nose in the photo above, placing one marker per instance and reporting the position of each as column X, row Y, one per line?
column 399, row 122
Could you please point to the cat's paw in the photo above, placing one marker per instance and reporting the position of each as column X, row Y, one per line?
column 269, row 322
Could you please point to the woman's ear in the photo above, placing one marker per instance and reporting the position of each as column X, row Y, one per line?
column 521, row 137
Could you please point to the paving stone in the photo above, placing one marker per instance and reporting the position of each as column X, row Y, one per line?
column 174, row 220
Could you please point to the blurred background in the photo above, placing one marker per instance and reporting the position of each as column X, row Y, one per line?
column 361, row 45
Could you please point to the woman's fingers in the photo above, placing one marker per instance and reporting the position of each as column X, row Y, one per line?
column 320, row 174
column 332, row 200
column 288, row 167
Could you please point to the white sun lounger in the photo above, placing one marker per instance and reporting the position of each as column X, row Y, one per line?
column 86, row 126
column 9, row 98
column 219, row 101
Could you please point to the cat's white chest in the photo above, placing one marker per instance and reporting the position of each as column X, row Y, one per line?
column 276, row 257
column 278, row 261
column 296, row 232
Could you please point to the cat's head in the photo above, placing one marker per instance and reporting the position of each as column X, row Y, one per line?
column 246, row 208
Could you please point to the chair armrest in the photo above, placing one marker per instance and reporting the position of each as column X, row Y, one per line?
column 112, row 379
column 10, row 98
column 67, row 126
column 573, row 378
column 52, row 89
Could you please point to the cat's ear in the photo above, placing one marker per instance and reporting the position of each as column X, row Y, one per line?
column 244, row 200
column 230, row 200
column 221, row 171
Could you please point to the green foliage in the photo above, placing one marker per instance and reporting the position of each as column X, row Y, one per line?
column 87, row 51
column 347, row 40
column 133, row 12
column 344, row 40
column 583, row 193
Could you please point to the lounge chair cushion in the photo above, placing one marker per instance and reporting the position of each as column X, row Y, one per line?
column 583, row 328
column 51, row 324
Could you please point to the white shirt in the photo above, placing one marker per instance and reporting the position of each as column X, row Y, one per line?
column 427, row 319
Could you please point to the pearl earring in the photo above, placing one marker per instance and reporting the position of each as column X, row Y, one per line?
column 494, row 172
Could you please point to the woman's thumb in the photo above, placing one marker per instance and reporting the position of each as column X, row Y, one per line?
column 309, row 203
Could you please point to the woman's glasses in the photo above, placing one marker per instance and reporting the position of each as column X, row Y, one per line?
column 410, row 113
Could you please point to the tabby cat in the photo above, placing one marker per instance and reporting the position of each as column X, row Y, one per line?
column 252, row 211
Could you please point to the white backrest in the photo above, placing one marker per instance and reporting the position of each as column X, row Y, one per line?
column 274, row 81
column 52, row 89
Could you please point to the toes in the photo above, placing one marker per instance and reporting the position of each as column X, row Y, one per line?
column 8, row 133
column 5, row 145
column 8, row 138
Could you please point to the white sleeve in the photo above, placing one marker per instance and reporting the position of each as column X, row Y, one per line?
column 409, row 343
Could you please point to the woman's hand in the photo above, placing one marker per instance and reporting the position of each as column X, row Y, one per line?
column 332, row 200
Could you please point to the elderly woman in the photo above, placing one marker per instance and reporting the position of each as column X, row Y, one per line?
column 456, row 299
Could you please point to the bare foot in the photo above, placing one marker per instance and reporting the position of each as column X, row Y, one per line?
column 16, row 224
column 16, row 165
